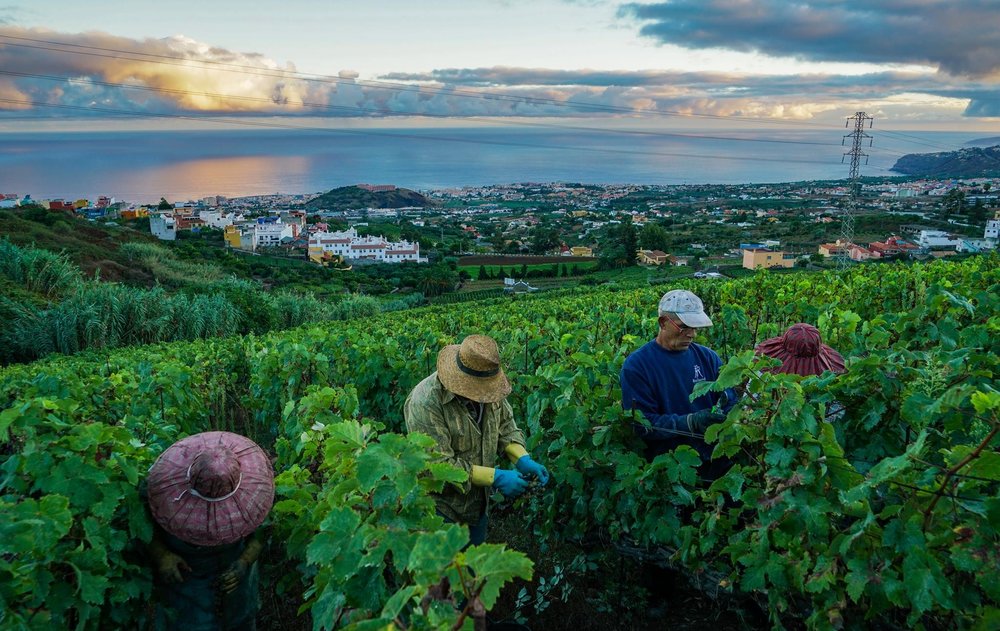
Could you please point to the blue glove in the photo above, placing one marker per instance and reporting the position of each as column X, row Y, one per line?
column 529, row 467
column 508, row 482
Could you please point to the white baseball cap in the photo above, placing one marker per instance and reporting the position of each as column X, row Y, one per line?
column 686, row 306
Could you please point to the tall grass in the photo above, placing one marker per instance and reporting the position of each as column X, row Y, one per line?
column 95, row 315
column 39, row 271
column 168, row 269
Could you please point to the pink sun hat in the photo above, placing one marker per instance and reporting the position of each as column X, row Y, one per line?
column 211, row 489
column 802, row 352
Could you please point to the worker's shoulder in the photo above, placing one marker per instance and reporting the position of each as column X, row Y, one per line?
column 640, row 355
column 701, row 349
column 428, row 390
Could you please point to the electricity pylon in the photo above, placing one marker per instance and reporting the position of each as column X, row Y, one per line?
column 847, row 226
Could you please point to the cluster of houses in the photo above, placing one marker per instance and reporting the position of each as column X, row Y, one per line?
column 104, row 208
column 284, row 228
column 335, row 247
column 924, row 242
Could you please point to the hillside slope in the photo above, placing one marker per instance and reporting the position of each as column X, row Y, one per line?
column 967, row 162
column 355, row 198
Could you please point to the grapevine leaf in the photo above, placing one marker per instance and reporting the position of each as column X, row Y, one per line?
column 925, row 584
column 7, row 417
column 988, row 401
column 433, row 551
column 494, row 566
column 447, row 472
column 858, row 577
column 395, row 604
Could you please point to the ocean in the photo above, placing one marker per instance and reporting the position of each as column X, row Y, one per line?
column 181, row 165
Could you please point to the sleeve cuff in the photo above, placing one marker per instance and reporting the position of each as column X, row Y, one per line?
column 482, row 476
column 515, row 451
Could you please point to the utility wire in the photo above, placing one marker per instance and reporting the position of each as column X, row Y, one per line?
column 362, row 110
column 115, row 53
column 397, row 134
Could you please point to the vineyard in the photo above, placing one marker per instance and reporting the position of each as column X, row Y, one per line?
column 888, row 516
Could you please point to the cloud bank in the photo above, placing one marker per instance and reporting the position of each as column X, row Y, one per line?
column 95, row 74
column 958, row 37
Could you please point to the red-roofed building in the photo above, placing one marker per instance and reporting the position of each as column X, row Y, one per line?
column 893, row 246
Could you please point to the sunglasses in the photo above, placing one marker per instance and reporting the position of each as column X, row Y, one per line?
column 682, row 329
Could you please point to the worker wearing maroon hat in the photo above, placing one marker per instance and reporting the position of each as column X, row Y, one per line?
column 208, row 494
column 802, row 352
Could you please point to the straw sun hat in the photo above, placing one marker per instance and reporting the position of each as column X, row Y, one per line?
column 801, row 351
column 211, row 489
column 472, row 370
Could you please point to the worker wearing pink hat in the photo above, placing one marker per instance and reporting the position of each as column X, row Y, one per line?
column 208, row 494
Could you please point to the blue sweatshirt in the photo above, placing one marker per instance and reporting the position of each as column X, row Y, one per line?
column 658, row 383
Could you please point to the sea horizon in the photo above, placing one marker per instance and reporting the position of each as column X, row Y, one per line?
column 143, row 166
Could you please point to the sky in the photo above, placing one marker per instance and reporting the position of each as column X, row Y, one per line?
column 912, row 64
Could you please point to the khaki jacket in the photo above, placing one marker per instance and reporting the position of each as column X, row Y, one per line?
column 433, row 410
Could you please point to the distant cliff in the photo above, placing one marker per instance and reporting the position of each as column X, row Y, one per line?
column 353, row 197
column 967, row 162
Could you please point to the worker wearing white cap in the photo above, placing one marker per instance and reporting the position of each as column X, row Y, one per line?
column 658, row 379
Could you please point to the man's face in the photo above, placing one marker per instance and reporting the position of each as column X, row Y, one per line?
column 674, row 335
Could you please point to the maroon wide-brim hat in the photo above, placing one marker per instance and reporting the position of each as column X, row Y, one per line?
column 802, row 352
column 211, row 489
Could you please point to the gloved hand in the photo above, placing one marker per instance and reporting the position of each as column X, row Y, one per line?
column 698, row 422
column 170, row 565
column 229, row 579
column 510, row 483
column 528, row 467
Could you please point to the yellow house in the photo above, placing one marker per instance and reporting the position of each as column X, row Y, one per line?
column 652, row 257
column 231, row 235
column 754, row 258
column 833, row 249
column 135, row 213
column 582, row 250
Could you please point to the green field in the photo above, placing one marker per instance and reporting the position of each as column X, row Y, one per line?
column 515, row 270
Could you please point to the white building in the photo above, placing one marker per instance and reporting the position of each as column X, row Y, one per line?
column 938, row 239
column 268, row 233
column 163, row 226
column 976, row 245
column 993, row 228
column 219, row 219
column 350, row 246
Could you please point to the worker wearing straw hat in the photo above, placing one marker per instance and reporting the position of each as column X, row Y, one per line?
column 463, row 407
column 208, row 494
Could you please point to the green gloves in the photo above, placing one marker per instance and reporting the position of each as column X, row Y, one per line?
column 698, row 422
column 510, row 483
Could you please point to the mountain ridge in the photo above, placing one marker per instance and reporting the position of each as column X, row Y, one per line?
column 965, row 162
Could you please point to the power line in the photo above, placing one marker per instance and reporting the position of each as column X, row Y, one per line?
column 284, row 74
column 394, row 134
column 115, row 53
column 361, row 110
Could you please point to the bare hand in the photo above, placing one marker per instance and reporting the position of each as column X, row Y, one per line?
column 170, row 567
column 229, row 579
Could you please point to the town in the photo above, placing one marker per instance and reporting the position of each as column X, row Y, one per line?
column 710, row 230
